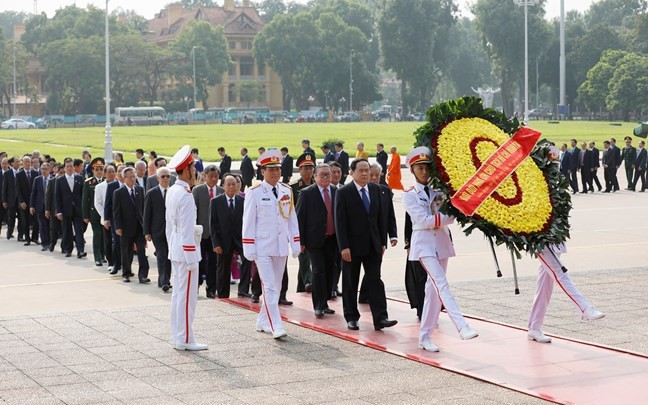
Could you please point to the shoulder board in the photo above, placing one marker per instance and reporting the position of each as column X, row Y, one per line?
column 410, row 188
column 254, row 186
column 285, row 185
column 188, row 190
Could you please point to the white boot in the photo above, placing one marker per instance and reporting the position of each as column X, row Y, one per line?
column 468, row 333
column 278, row 334
column 538, row 336
column 429, row 346
column 591, row 314
column 193, row 347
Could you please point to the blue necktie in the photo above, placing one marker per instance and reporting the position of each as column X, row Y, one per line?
column 365, row 199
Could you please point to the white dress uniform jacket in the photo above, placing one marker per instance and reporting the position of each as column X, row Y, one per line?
column 180, row 224
column 100, row 198
column 430, row 234
column 269, row 222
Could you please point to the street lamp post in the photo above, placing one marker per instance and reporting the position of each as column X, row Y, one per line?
column 562, row 54
column 351, row 80
column 526, row 4
column 193, row 52
column 108, row 131
column 15, row 92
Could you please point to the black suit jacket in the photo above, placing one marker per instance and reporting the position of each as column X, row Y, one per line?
column 155, row 213
column 363, row 233
column 225, row 164
column 575, row 158
column 9, row 188
column 37, row 200
column 642, row 160
column 329, row 157
column 311, row 216
column 24, row 185
column 287, row 166
column 608, row 158
column 68, row 202
column 108, row 204
column 587, row 160
column 226, row 230
column 389, row 217
column 381, row 158
column 126, row 214
column 343, row 160
column 616, row 154
column 595, row 158
column 247, row 170
column 50, row 196
column 565, row 163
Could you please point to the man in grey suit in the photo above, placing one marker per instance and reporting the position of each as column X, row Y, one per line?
column 37, row 204
column 155, row 225
column 203, row 195
column 153, row 181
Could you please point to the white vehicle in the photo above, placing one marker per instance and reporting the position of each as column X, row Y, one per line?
column 17, row 123
column 140, row 116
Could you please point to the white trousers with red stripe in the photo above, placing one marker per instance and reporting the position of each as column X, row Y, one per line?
column 271, row 269
column 437, row 293
column 549, row 272
column 183, row 301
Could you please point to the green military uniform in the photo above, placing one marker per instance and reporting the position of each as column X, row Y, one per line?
column 88, row 210
column 629, row 157
column 305, row 271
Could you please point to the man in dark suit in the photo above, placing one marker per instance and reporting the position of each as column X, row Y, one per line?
column 328, row 155
column 247, row 169
column 317, row 235
column 69, row 189
column 226, row 223
column 381, row 159
column 155, row 226
column 609, row 170
column 641, row 162
column 306, row 146
column 225, row 163
column 108, row 216
column 50, row 209
column 616, row 154
column 286, row 166
column 362, row 240
column 4, row 167
column 575, row 165
column 343, row 159
column 629, row 156
column 203, row 194
column 141, row 168
column 37, row 205
column 565, row 161
column 10, row 199
column 90, row 214
column 128, row 221
column 595, row 165
column 586, row 166
column 24, row 180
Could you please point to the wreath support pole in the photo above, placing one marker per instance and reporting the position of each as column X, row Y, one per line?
column 515, row 277
column 497, row 266
column 562, row 267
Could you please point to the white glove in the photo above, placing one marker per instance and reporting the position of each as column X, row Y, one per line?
column 198, row 230
column 251, row 258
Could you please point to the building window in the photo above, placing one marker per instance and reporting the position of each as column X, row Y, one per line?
column 246, row 44
column 246, row 69
column 231, row 94
column 232, row 70
column 232, row 44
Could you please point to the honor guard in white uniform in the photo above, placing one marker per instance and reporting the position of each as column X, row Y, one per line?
column 184, row 251
column 269, row 229
column 431, row 246
column 551, row 269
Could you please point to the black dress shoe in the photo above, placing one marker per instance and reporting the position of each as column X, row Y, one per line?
column 104, row 261
column 244, row 294
column 283, row 301
column 114, row 271
column 334, row 294
column 319, row 313
column 27, row 243
column 353, row 325
column 9, row 237
column 308, row 287
column 82, row 255
column 385, row 323
column 126, row 280
column 329, row 311
column 165, row 288
column 21, row 239
column 44, row 248
column 144, row 280
column 68, row 254
column 35, row 241
column 211, row 294
column 51, row 247
column 98, row 264
column 255, row 299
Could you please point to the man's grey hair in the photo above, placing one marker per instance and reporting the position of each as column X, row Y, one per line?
column 375, row 166
column 162, row 170
column 126, row 170
column 140, row 163
column 212, row 168
column 321, row 166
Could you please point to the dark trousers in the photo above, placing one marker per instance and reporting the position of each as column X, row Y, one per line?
column 11, row 220
column 594, row 179
column 116, row 249
column 55, row 231
column 224, row 274
column 323, row 261
column 376, row 289
column 256, row 284
column 337, row 271
column 127, row 243
column 43, row 228
column 304, row 273
column 638, row 174
column 30, row 225
column 615, row 181
column 72, row 230
column 244, row 274
column 573, row 180
column 107, row 241
column 98, row 247
column 208, row 265
column 163, row 262
column 585, row 180
column 609, row 173
column 3, row 216
column 419, row 278
column 629, row 174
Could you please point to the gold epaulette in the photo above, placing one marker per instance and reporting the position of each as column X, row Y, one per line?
column 410, row 188
column 254, row 186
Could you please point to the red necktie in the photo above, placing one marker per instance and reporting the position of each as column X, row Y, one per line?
column 211, row 193
column 330, row 228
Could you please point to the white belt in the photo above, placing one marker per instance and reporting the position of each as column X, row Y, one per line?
column 416, row 227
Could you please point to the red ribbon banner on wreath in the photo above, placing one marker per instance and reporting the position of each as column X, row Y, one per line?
column 495, row 170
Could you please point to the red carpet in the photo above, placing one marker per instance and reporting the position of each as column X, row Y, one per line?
column 564, row 371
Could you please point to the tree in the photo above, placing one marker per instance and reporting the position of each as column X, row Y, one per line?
column 501, row 24
column 594, row 91
column 197, row 3
column 10, row 18
column 210, row 51
column 629, row 86
column 269, row 9
column 615, row 13
column 249, row 91
column 157, row 64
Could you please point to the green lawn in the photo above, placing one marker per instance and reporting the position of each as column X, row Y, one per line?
column 166, row 140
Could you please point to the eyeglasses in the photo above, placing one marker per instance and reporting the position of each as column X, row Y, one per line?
column 323, row 175
column 165, row 176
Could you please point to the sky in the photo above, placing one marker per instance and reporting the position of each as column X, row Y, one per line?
column 148, row 8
